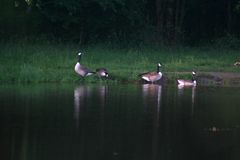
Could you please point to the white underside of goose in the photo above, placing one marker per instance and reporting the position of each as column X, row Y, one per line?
column 186, row 83
column 145, row 78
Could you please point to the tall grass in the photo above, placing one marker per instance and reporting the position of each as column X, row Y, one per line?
column 25, row 62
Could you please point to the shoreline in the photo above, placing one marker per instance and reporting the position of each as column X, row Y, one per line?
column 203, row 79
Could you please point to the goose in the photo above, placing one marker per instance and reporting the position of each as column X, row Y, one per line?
column 193, row 82
column 237, row 63
column 152, row 76
column 102, row 72
column 81, row 70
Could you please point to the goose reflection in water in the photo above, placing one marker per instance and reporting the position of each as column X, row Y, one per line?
column 83, row 95
column 181, row 89
column 152, row 90
column 152, row 96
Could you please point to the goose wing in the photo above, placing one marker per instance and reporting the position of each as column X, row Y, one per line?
column 144, row 74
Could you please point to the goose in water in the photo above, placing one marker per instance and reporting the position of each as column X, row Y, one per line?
column 192, row 82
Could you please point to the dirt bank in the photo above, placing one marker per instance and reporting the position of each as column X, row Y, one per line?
column 219, row 78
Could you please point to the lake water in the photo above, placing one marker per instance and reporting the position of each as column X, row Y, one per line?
column 127, row 122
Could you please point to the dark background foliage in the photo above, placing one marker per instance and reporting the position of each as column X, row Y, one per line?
column 168, row 22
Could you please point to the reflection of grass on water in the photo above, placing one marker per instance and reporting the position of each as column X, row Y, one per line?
column 46, row 62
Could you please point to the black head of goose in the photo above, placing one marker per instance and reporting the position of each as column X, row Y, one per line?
column 191, row 82
column 81, row 70
column 152, row 76
column 102, row 72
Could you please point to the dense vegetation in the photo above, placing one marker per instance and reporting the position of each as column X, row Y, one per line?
column 131, row 22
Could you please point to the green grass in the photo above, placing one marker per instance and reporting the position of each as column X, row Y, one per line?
column 22, row 62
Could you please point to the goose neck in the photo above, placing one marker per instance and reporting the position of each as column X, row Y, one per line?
column 158, row 69
column 79, row 58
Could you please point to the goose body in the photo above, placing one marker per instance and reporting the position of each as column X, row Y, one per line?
column 81, row 70
column 102, row 72
column 186, row 82
column 152, row 76
column 183, row 82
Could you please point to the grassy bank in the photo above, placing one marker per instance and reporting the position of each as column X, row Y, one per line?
column 22, row 62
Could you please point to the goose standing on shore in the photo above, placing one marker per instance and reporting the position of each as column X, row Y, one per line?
column 193, row 82
column 81, row 70
column 152, row 76
column 102, row 72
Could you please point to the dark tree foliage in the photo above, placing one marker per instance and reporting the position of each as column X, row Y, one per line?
column 212, row 19
column 130, row 21
column 92, row 20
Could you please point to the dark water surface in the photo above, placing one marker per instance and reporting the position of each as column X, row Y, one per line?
column 127, row 122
